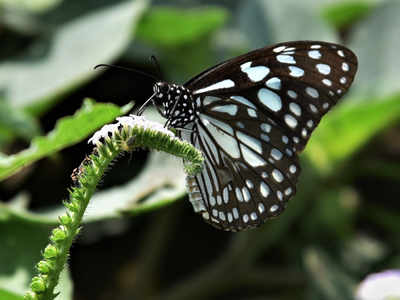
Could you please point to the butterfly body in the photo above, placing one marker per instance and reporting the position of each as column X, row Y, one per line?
column 251, row 116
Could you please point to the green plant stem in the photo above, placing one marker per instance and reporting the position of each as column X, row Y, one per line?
column 61, row 260
column 128, row 134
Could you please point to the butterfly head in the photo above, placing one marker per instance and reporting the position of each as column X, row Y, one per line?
column 177, row 103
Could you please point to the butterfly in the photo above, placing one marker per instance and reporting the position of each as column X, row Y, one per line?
column 251, row 116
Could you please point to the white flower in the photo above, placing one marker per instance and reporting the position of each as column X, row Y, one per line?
column 130, row 121
column 380, row 286
column 103, row 133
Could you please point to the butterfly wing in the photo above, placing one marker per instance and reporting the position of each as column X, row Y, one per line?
column 256, row 112
column 250, row 168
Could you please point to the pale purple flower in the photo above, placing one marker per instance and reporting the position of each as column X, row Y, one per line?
column 380, row 286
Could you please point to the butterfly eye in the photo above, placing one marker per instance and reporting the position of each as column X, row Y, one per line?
column 161, row 87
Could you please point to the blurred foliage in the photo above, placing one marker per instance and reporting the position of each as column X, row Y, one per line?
column 342, row 224
column 68, row 131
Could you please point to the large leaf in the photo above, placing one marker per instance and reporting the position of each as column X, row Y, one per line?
column 65, row 59
column 172, row 27
column 343, row 13
column 68, row 131
column 346, row 129
column 376, row 41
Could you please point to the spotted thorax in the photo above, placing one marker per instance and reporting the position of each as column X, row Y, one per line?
column 177, row 101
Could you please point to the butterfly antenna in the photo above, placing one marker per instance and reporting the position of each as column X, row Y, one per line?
column 157, row 64
column 129, row 70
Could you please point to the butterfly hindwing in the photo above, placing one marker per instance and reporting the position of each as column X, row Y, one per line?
column 250, row 167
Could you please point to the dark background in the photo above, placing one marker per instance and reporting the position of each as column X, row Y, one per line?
column 341, row 226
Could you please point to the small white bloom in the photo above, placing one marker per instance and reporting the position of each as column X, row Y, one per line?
column 103, row 132
column 380, row 286
column 130, row 121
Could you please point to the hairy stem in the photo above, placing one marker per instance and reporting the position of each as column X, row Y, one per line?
column 126, row 135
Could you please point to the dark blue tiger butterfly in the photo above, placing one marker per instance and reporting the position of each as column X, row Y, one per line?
column 251, row 116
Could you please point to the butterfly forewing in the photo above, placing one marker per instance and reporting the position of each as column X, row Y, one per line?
column 255, row 112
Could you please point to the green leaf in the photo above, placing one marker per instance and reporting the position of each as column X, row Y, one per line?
column 342, row 14
column 376, row 41
column 68, row 131
column 61, row 61
column 22, row 243
column 6, row 295
column 347, row 128
column 161, row 182
column 172, row 27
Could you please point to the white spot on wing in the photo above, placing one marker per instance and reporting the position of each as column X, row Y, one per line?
column 255, row 74
column 295, row 108
column 292, row 94
column 225, row 141
column 327, row 82
column 323, row 68
column 296, row 71
column 265, row 127
column 315, row 54
column 207, row 100
column 274, row 208
column 273, row 83
column 277, row 175
column 230, row 109
column 276, row 154
column 290, row 121
column 286, row 59
column 250, row 141
column 279, row 49
column 246, row 194
column 235, row 213
column 264, row 189
column 244, row 101
column 239, row 195
column 251, row 158
column 245, row 65
column 252, row 113
column 249, row 183
column 245, row 218
column 270, row 99
column 224, row 84
column 312, row 92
